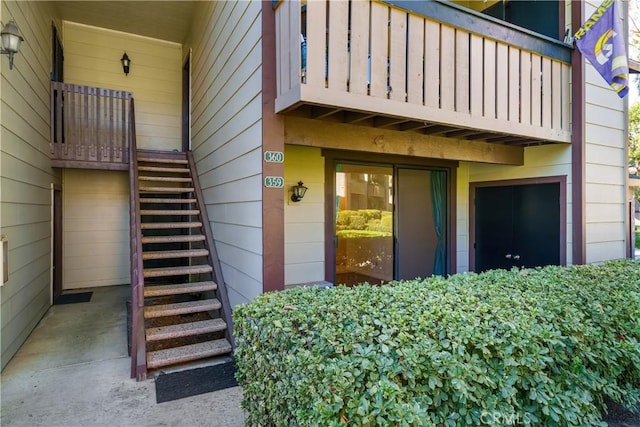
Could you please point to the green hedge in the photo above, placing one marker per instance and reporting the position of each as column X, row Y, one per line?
column 529, row 347
column 365, row 219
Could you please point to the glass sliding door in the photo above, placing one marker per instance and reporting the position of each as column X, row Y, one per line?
column 391, row 223
column 364, row 224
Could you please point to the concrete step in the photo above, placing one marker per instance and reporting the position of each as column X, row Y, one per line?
column 175, row 254
column 163, row 169
column 179, row 238
column 187, row 353
column 170, row 212
column 158, row 190
column 166, row 225
column 178, row 308
column 177, row 271
column 185, row 329
column 179, row 288
column 167, row 200
column 164, row 178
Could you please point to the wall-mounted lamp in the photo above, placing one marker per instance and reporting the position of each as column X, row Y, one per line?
column 298, row 192
column 126, row 62
column 11, row 39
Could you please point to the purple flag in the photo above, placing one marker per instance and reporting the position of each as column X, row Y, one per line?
column 602, row 41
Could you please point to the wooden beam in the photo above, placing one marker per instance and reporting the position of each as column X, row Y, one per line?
column 340, row 136
column 413, row 126
column 460, row 133
column 437, row 129
column 381, row 122
column 354, row 117
column 273, row 199
column 504, row 139
column 578, row 144
column 318, row 112
column 480, row 135
column 78, row 164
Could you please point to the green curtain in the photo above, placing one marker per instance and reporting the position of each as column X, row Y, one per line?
column 438, row 209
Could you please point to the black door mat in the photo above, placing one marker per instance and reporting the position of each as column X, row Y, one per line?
column 73, row 298
column 178, row 385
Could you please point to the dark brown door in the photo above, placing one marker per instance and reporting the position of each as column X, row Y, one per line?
column 57, row 243
column 517, row 226
column 186, row 84
column 57, row 75
column 57, row 69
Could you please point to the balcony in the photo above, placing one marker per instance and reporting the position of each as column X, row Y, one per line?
column 90, row 127
column 440, row 70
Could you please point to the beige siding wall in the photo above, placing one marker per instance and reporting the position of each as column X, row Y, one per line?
column 25, row 175
column 92, row 57
column 606, row 171
column 226, row 134
column 540, row 161
column 96, row 228
column 304, row 237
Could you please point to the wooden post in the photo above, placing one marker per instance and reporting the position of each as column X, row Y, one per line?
column 578, row 142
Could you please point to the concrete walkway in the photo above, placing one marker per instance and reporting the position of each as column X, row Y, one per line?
column 74, row 371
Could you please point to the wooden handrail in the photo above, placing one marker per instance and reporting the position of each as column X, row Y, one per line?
column 223, row 295
column 138, row 347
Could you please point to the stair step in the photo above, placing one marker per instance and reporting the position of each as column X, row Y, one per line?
column 177, row 271
column 164, row 178
column 170, row 212
column 161, row 169
column 180, row 238
column 160, row 160
column 166, row 225
column 166, row 189
column 187, row 353
column 175, row 254
column 185, row 329
column 166, row 200
column 178, row 308
column 178, row 289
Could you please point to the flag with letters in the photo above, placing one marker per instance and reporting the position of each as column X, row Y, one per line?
column 601, row 40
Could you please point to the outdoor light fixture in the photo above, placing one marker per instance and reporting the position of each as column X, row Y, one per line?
column 298, row 192
column 11, row 39
column 126, row 62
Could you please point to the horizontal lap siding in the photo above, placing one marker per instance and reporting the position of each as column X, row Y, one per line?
column 25, row 175
column 304, row 232
column 226, row 134
column 96, row 228
column 605, row 168
column 92, row 57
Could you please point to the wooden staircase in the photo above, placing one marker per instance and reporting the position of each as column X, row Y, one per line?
column 186, row 313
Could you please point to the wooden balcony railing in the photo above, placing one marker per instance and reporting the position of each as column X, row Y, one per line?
column 90, row 127
column 441, row 69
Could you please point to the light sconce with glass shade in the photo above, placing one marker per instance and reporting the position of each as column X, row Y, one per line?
column 11, row 39
column 126, row 63
column 298, row 192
